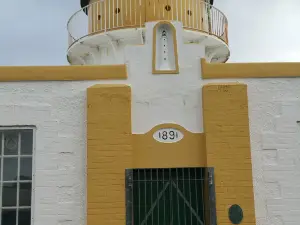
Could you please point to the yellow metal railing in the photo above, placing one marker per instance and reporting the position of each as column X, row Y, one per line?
column 106, row 15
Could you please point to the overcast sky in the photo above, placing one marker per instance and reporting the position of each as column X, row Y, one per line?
column 33, row 32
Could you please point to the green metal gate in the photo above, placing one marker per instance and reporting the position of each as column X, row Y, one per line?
column 175, row 196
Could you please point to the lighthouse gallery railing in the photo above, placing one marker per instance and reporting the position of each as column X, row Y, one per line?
column 107, row 15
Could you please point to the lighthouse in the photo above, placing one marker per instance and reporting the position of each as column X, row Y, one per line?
column 111, row 26
column 149, row 125
column 148, row 158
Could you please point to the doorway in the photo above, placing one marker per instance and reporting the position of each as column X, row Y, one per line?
column 170, row 196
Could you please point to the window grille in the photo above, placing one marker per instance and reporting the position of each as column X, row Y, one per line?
column 16, row 153
column 174, row 196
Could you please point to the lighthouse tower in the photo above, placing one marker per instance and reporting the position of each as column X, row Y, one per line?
column 102, row 30
column 149, row 126
column 153, row 146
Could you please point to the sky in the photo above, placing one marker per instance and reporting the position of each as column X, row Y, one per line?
column 33, row 32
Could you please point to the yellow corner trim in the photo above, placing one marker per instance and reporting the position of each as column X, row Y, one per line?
column 228, row 149
column 155, row 71
column 249, row 70
column 109, row 152
column 108, row 86
column 62, row 73
column 223, row 86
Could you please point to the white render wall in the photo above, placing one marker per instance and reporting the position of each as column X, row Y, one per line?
column 58, row 112
column 58, row 109
column 274, row 109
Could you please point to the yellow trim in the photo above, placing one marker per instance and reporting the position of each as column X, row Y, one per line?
column 226, row 126
column 188, row 152
column 150, row 11
column 154, row 71
column 62, row 73
column 109, row 152
column 249, row 70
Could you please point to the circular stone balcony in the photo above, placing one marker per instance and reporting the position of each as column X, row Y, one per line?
column 102, row 24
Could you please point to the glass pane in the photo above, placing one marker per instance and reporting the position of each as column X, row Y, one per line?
column 26, row 142
column 25, row 194
column 10, row 168
column 24, row 217
column 10, row 143
column 9, row 216
column 26, row 168
column 0, row 143
column 9, row 197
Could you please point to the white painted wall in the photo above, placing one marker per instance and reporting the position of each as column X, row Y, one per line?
column 58, row 109
column 165, row 98
column 274, row 109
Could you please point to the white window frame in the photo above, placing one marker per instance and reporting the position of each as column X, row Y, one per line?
column 25, row 127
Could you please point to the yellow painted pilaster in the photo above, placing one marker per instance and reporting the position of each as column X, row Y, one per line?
column 226, row 126
column 109, row 152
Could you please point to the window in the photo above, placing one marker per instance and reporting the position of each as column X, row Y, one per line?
column 16, row 151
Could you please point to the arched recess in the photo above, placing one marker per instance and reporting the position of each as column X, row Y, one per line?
column 164, row 54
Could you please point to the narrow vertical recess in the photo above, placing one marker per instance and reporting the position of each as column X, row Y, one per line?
column 164, row 52
column 109, row 152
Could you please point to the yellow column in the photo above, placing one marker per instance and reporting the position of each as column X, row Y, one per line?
column 109, row 152
column 226, row 125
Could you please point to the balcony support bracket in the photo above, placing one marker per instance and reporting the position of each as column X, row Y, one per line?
column 113, row 44
column 210, row 55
